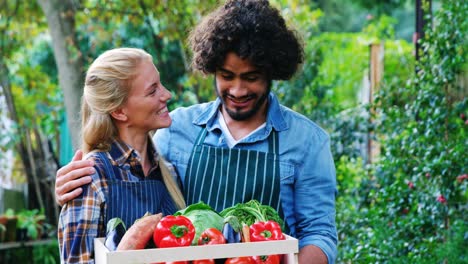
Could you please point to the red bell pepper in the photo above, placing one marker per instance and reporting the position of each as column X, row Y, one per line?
column 174, row 231
column 265, row 231
column 211, row 236
column 270, row 259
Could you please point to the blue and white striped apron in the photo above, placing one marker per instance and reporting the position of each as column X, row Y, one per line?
column 223, row 177
column 130, row 200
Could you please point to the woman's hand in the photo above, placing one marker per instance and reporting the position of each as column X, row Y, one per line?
column 70, row 177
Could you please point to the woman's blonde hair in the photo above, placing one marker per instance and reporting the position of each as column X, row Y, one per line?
column 107, row 85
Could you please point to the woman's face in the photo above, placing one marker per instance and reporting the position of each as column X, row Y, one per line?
column 146, row 105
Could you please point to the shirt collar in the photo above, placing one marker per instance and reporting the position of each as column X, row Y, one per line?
column 122, row 153
column 275, row 116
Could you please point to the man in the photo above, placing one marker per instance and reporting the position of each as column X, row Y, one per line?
column 245, row 145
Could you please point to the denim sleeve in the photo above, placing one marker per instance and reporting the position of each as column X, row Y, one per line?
column 315, row 191
column 161, row 140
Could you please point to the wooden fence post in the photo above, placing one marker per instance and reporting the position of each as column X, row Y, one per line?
column 376, row 71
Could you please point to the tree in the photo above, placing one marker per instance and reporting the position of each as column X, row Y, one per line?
column 26, row 90
column 61, row 20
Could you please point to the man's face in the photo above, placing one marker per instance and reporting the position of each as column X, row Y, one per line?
column 242, row 88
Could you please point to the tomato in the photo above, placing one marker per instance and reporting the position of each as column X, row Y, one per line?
column 240, row 260
column 203, row 261
column 270, row 259
column 211, row 236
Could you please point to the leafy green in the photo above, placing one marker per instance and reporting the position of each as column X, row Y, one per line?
column 202, row 217
column 251, row 212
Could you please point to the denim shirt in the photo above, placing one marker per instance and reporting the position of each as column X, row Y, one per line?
column 308, row 181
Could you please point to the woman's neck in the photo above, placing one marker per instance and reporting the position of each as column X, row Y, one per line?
column 139, row 142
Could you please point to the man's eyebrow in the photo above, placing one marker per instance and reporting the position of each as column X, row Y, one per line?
column 251, row 72
column 224, row 70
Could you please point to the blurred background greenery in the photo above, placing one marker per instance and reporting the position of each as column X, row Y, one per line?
column 396, row 110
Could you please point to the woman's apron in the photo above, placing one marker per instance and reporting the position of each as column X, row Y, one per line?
column 223, row 177
column 131, row 200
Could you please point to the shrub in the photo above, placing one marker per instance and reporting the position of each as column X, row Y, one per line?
column 412, row 206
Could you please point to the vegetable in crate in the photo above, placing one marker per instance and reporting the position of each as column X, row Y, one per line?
column 251, row 212
column 202, row 217
column 211, row 236
column 265, row 231
column 271, row 259
column 139, row 234
column 115, row 231
column 240, row 260
column 174, row 231
column 230, row 234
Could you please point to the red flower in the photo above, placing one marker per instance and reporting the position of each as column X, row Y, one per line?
column 428, row 175
column 411, row 185
column 461, row 178
column 441, row 199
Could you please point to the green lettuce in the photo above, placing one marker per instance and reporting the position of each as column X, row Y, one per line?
column 202, row 217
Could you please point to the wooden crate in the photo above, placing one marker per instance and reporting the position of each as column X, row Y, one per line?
column 289, row 247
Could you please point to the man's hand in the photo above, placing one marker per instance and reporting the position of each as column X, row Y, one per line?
column 70, row 177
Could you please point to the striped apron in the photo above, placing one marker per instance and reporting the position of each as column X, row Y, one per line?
column 223, row 177
column 131, row 200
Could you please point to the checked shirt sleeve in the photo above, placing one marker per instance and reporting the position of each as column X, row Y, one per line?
column 81, row 220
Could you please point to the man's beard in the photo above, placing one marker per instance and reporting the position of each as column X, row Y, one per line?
column 242, row 116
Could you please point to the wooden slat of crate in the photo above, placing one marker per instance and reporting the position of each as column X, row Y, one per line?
column 288, row 246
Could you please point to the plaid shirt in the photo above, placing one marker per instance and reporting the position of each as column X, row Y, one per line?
column 82, row 219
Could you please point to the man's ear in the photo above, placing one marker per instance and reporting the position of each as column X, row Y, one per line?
column 119, row 115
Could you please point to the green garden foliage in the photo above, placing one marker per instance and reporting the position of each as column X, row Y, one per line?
column 410, row 207
column 328, row 89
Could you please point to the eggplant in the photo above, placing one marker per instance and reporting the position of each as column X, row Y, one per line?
column 114, row 233
column 232, row 229
column 231, row 235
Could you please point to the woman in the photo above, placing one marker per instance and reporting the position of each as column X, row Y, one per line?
column 123, row 102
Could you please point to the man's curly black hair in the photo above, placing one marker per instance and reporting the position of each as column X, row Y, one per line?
column 253, row 30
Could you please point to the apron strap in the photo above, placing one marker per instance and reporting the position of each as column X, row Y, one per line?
column 109, row 169
column 273, row 145
column 201, row 136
